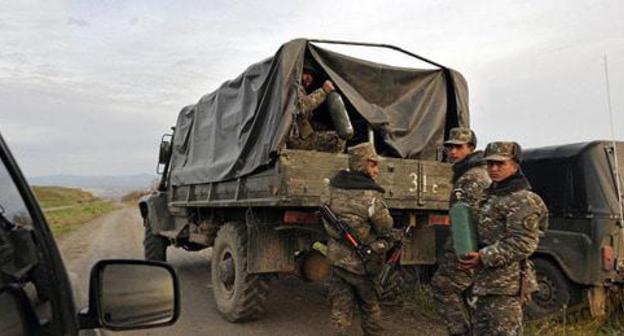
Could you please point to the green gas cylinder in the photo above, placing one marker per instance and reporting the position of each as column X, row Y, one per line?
column 463, row 228
column 339, row 116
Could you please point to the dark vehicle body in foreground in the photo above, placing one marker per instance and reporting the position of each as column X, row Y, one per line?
column 229, row 182
column 35, row 292
column 581, row 256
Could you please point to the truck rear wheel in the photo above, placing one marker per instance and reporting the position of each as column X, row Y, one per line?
column 154, row 246
column 240, row 296
column 555, row 290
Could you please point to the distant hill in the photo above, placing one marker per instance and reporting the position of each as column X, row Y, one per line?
column 101, row 186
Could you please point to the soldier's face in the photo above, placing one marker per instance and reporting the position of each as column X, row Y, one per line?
column 457, row 153
column 500, row 170
column 307, row 79
column 373, row 169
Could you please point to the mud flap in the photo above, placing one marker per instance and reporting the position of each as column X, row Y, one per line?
column 420, row 249
column 597, row 299
column 268, row 250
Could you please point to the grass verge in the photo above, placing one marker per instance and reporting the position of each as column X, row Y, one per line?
column 66, row 220
column 51, row 196
column 614, row 325
column 417, row 300
column 67, row 208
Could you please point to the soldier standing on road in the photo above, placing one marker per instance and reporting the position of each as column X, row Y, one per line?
column 510, row 218
column 355, row 197
column 304, row 135
column 470, row 179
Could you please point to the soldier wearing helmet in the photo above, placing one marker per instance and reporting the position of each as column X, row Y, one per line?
column 304, row 135
column 470, row 179
column 509, row 220
column 356, row 198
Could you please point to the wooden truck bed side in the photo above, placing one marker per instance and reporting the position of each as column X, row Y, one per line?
column 298, row 178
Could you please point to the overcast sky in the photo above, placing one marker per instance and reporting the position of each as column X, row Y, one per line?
column 88, row 87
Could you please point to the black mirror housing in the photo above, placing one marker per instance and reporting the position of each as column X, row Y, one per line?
column 131, row 294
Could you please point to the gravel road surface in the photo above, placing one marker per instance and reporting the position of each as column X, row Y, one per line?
column 294, row 307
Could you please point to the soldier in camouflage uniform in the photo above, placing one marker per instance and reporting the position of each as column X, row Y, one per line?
column 510, row 218
column 304, row 135
column 470, row 179
column 355, row 197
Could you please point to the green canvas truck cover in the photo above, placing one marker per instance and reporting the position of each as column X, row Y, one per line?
column 241, row 126
column 576, row 179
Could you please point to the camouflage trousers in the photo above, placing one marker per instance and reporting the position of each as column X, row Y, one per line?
column 449, row 285
column 326, row 141
column 497, row 315
column 348, row 290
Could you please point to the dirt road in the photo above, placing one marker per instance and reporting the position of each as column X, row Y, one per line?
column 294, row 307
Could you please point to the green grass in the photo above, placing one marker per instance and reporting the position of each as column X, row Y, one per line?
column 50, row 197
column 418, row 301
column 611, row 326
column 76, row 207
column 66, row 220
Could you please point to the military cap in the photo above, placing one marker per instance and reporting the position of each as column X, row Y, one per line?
column 503, row 151
column 307, row 66
column 359, row 156
column 460, row 136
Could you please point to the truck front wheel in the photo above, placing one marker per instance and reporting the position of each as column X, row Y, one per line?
column 240, row 296
column 555, row 290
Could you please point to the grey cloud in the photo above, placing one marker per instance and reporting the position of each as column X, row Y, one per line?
column 95, row 101
column 72, row 21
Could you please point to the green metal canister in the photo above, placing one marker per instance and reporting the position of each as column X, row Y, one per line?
column 463, row 229
column 339, row 116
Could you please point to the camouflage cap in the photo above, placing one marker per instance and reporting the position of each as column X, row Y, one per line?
column 460, row 136
column 307, row 66
column 359, row 156
column 503, row 151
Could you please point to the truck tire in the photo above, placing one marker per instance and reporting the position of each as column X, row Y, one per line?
column 154, row 246
column 555, row 290
column 240, row 296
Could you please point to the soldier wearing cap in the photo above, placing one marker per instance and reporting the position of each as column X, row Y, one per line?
column 509, row 220
column 304, row 135
column 470, row 179
column 355, row 197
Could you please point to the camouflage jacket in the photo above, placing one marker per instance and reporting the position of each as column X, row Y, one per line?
column 358, row 201
column 510, row 217
column 470, row 179
column 306, row 104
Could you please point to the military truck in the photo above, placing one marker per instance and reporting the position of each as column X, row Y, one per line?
column 580, row 259
column 229, row 181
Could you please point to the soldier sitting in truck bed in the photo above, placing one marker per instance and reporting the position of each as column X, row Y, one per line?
column 304, row 135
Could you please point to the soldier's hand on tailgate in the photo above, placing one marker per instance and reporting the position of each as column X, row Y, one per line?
column 328, row 86
column 470, row 261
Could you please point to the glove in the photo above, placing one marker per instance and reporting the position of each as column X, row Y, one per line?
column 379, row 246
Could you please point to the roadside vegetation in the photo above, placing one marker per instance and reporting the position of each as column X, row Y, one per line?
column 416, row 300
column 133, row 197
column 68, row 208
column 580, row 326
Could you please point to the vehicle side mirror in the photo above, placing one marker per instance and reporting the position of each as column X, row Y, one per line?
column 165, row 151
column 131, row 294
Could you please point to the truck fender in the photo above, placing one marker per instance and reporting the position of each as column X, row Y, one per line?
column 155, row 212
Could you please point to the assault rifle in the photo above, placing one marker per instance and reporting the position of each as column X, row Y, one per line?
column 361, row 250
column 394, row 259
